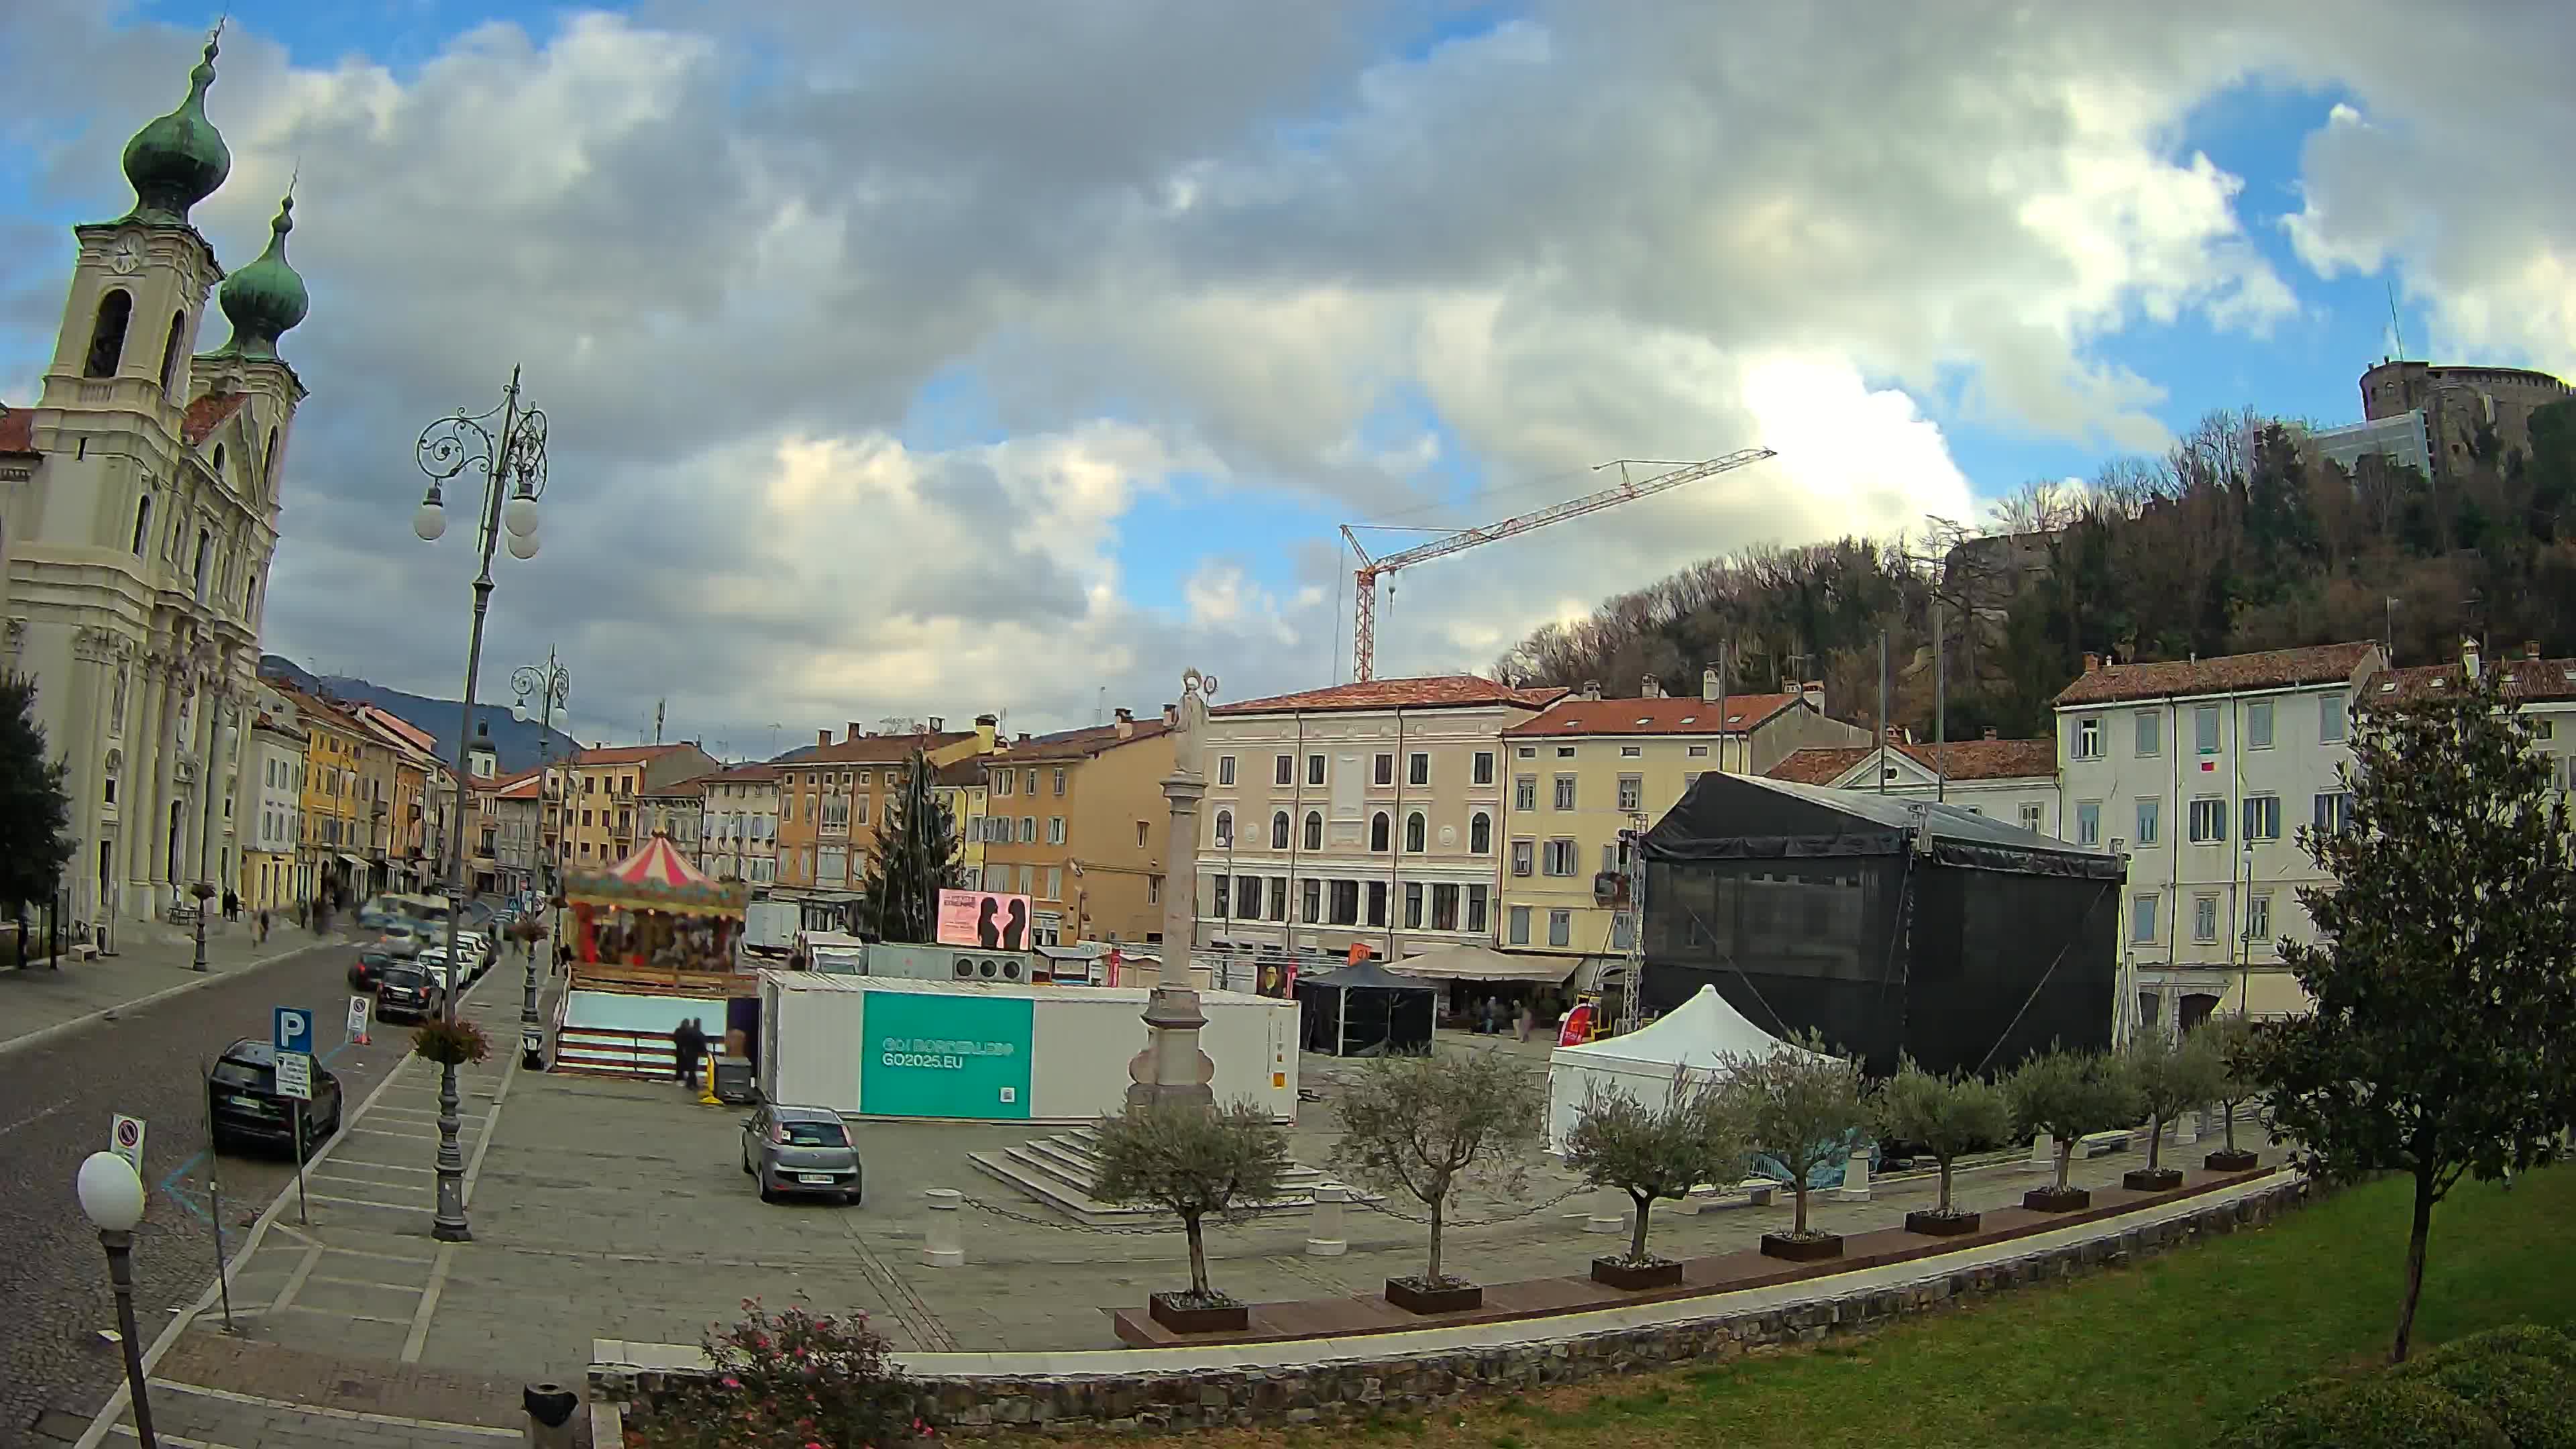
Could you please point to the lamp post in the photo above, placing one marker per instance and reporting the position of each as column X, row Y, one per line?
column 111, row 1197
column 1171, row 1070
column 512, row 458
column 553, row 686
column 203, row 893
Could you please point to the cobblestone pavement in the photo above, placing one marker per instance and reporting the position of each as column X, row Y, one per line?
column 56, row 1099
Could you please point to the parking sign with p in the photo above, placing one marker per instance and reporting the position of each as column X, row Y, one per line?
column 293, row 1031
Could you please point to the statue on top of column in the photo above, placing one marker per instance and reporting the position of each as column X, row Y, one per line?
column 1191, row 723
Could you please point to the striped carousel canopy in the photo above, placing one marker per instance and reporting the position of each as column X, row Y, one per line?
column 657, row 878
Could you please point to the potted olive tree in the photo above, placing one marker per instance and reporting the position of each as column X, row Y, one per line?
column 1800, row 1106
column 1194, row 1164
column 1949, row 1117
column 1427, row 1126
column 1652, row 1153
column 2171, row 1078
column 2067, row 1094
column 2232, row 1040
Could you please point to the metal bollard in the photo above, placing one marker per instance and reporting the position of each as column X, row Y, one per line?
column 1609, row 1212
column 549, row 1409
column 2043, row 1154
column 943, row 1236
column 1855, row 1186
column 1325, row 1235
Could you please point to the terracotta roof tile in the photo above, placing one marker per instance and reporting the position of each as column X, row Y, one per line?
column 1668, row 716
column 208, row 413
column 1957, row 760
column 17, row 430
column 879, row 749
column 1080, row 744
column 2532, row 679
column 968, row 772
column 2227, row 674
column 742, row 775
column 623, row 754
column 523, row 788
column 1446, row 691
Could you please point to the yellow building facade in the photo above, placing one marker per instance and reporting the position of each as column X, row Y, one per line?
column 332, row 851
column 1077, row 822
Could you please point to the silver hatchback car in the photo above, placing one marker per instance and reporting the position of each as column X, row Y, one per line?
column 800, row 1150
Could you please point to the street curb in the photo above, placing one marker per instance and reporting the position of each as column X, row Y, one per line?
column 60, row 1029
column 104, row 1422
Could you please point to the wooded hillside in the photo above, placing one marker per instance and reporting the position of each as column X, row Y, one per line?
column 2232, row 541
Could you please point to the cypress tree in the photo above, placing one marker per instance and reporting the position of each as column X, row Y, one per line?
column 35, row 813
column 916, row 856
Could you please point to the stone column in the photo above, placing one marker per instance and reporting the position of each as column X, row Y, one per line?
column 2186, row 1127
column 1855, row 1186
column 1609, row 1211
column 1325, row 1235
column 943, row 1235
column 1172, row 1069
column 141, row 807
column 2043, row 1154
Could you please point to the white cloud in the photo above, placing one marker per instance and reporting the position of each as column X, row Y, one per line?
column 1208, row 248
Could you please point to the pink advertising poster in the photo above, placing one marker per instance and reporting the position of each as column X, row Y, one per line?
column 984, row 918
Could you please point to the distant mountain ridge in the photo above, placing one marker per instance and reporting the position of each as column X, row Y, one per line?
column 519, row 746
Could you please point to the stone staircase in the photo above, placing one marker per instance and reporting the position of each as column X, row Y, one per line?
column 1059, row 1171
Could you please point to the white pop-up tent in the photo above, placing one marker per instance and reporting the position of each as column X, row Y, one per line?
column 1697, row 1037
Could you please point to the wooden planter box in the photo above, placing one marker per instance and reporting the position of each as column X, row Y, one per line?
column 2151, row 1179
column 1942, row 1225
column 2050, row 1200
column 1198, row 1318
column 1636, row 1277
column 1412, row 1296
column 1802, row 1250
column 2239, row 1160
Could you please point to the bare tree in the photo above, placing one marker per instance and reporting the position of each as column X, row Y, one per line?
column 1428, row 1125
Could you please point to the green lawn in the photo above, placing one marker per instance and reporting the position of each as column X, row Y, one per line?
column 2165, row 1353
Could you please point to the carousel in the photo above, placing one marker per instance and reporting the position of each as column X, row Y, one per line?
column 654, row 916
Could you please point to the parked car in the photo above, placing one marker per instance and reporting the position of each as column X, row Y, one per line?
column 369, row 968
column 406, row 990
column 243, row 1104
column 801, row 1150
column 476, row 947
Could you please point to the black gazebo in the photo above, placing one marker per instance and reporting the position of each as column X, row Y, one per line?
column 1365, row 1011
column 1888, row 924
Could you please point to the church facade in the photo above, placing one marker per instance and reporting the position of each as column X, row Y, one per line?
column 138, row 518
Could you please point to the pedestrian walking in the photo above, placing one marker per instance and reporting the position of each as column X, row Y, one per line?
column 688, row 1043
column 263, row 928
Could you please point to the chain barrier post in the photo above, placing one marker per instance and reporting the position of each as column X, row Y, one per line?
column 1609, row 1212
column 2043, row 1154
column 943, row 1238
column 1326, row 1236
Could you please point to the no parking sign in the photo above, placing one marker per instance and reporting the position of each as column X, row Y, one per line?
column 125, row 1139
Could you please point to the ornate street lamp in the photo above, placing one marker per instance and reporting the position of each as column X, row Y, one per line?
column 552, row 684
column 511, row 454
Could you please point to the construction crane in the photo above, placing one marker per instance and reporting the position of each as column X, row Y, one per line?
column 1364, row 611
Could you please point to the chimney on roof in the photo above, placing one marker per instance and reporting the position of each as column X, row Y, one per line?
column 1709, row 691
column 822, row 737
column 2469, row 657
column 988, row 729
column 1591, row 689
column 854, row 732
column 1024, row 737
column 1126, row 724
column 1990, row 732
column 2092, row 663
column 938, row 724
column 1814, row 690
column 1650, row 688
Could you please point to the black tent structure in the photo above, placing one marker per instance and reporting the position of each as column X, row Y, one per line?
column 1888, row 924
column 1365, row 1011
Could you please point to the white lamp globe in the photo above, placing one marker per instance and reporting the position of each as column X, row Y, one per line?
column 110, row 1194
column 429, row 521
column 519, row 711
column 519, row 515
column 523, row 545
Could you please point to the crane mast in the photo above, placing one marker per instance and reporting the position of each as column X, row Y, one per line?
column 1365, row 577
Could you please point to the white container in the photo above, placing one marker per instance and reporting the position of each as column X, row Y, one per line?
column 872, row 1046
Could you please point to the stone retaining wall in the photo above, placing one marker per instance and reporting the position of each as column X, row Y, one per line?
column 1352, row 1388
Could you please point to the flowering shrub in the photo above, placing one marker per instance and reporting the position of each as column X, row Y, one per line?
column 450, row 1043
column 792, row 1379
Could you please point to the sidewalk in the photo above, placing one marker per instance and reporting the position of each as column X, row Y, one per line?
column 150, row 960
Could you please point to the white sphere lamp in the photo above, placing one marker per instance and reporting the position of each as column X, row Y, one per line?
column 111, row 1196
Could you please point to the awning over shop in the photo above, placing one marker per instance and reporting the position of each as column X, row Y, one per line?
column 1479, row 963
column 355, row 862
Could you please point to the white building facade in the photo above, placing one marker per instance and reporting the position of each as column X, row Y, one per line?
column 2202, row 772
column 139, row 541
column 272, row 814
column 2014, row 781
column 739, row 825
column 1364, row 815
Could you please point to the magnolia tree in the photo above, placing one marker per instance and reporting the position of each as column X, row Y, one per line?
column 2069, row 1094
column 1949, row 1117
column 1654, row 1153
column 1427, row 1126
column 1194, row 1164
column 2170, row 1078
column 1800, row 1106
column 2442, row 1042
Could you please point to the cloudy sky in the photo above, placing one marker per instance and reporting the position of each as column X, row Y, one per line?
column 933, row 357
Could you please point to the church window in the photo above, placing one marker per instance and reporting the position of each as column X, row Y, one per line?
column 205, row 560
column 268, row 462
column 142, row 523
column 170, row 351
column 219, row 462
column 107, row 335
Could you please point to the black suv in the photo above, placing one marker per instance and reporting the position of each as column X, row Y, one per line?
column 369, row 968
column 243, row 1103
column 406, row 989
